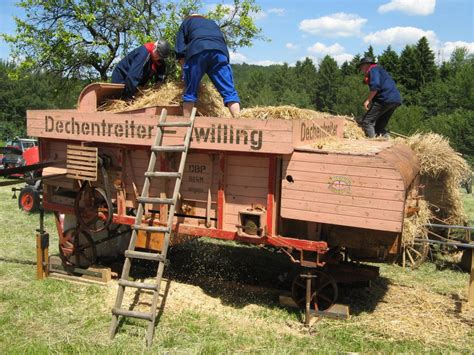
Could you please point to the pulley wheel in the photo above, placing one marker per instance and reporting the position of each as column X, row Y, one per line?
column 323, row 290
column 93, row 209
column 77, row 248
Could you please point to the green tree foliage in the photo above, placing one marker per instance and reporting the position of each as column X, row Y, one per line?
column 390, row 61
column 327, row 81
column 369, row 52
column 82, row 38
column 22, row 89
column 350, row 96
column 426, row 67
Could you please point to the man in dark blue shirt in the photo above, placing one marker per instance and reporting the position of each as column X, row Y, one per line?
column 382, row 101
column 201, row 49
column 141, row 65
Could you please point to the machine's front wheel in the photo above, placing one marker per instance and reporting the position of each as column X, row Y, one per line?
column 93, row 209
column 29, row 199
column 323, row 292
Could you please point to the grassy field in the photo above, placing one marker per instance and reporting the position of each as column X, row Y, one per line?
column 209, row 310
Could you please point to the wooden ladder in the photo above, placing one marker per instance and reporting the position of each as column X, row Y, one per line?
column 131, row 253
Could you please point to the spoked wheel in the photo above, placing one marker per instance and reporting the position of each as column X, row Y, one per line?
column 93, row 209
column 323, row 290
column 416, row 253
column 76, row 248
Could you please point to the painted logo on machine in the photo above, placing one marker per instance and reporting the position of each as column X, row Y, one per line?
column 340, row 184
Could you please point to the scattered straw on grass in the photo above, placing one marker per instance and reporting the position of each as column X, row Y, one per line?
column 416, row 314
column 442, row 169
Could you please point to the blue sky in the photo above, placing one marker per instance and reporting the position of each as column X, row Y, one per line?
column 341, row 28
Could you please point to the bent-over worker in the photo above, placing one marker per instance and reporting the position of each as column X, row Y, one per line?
column 201, row 49
column 382, row 100
column 143, row 64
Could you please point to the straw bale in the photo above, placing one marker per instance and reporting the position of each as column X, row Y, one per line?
column 442, row 170
column 414, row 225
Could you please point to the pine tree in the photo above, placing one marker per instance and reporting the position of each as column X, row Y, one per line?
column 327, row 81
column 409, row 68
column 305, row 74
column 390, row 61
column 427, row 70
column 369, row 52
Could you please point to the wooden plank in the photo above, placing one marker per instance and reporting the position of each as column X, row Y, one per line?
column 246, row 191
column 342, row 170
column 350, row 221
column 362, row 161
column 250, row 181
column 247, row 171
column 82, row 148
column 360, row 181
column 81, row 153
column 344, row 200
column 81, row 167
column 352, row 191
column 83, row 159
column 343, row 210
column 240, row 160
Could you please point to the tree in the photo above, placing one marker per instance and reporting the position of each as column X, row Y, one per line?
column 369, row 52
column 390, row 61
column 327, row 82
column 409, row 68
column 350, row 96
column 84, row 37
column 305, row 73
column 426, row 63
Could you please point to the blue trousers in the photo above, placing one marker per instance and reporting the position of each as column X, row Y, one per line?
column 215, row 64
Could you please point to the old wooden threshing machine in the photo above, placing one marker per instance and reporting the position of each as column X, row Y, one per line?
column 248, row 180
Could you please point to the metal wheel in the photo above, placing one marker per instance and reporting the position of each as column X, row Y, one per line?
column 93, row 209
column 323, row 290
column 415, row 254
column 29, row 199
column 77, row 248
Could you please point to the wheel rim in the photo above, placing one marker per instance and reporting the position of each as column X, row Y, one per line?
column 93, row 209
column 27, row 201
column 323, row 291
column 77, row 248
column 416, row 253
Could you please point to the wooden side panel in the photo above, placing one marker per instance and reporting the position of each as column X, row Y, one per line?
column 272, row 136
column 361, row 191
column 240, row 195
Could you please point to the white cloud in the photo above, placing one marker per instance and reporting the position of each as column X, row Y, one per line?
column 337, row 25
column 410, row 7
column 320, row 48
column 258, row 15
column 291, row 46
column 237, row 58
column 401, row 36
column 341, row 58
column 448, row 47
column 277, row 11
column 265, row 63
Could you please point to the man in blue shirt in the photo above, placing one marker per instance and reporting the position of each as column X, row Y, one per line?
column 382, row 101
column 141, row 65
column 201, row 49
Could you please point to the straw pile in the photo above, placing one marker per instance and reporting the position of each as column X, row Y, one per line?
column 414, row 224
column 441, row 169
column 209, row 104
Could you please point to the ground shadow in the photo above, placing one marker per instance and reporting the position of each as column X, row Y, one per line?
column 240, row 275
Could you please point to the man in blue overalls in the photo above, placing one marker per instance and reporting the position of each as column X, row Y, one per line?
column 382, row 101
column 141, row 65
column 201, row 49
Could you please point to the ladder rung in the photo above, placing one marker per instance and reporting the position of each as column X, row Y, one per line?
column 140, row 285
column 168, row 148
column 134, row 314
column 174, row 124
column 144, row 255
column 156, row 229
column 156, row 200
column 167, row 174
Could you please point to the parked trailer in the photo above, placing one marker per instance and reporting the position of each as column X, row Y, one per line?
column 263, row 182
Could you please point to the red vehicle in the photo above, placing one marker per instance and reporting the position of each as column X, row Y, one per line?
column 24, row 152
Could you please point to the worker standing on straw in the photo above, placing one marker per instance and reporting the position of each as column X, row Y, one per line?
column 141, row 65
column 201, row 49
column 382, row 101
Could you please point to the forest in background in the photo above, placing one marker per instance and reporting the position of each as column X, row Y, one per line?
column 436, row 97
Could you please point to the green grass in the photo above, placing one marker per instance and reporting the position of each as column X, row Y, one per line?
column 58, row 316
